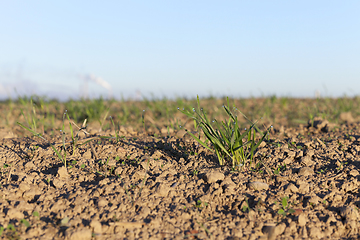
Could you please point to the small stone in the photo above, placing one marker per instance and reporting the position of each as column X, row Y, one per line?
column 302, row 219
column 118, row 170
column 354, row 173
column 96, row 226
column 62, row 172
column 262, row 144
column 102, row 203
column 213, row 176
column 58, row 183
column 292, row 188
column 146, row 210
column 29, row 194
column 162, row 189
column 269, row 231
column 29, row 165
column 111, row 162
column 306, row 171
column 303, row 187
column 304, row 233
column 280, row 229
column 258, row 185
column 274, row 231
column 314, row 199
column 87, row 155
column 229, row 184
column 307, row 161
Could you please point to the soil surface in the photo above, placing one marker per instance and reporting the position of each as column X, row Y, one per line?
column 303, row 184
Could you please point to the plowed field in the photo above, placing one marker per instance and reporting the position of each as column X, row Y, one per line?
column 154, row 181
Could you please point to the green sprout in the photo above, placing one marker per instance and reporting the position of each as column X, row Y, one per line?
column 285, row 207
column 61, row 157
column 226, row 138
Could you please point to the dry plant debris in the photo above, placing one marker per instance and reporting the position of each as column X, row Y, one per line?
column 303, row 182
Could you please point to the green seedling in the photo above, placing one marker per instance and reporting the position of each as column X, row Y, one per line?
column 11, row 232
column 321, row 171
column 73, row 139
column 134, row 198
column 72, row 164
column 226, row 138
column 280, row 168
column 36, row 214
column 25, row 222
column 7, row 167
column 31, row 119
column 195, row 172
column 61, row 157
column 246, row 206
column 285, row 207
column 198, row 204
column 206, row 230
column 116, row 130
column 31, row 151
column 143, row 120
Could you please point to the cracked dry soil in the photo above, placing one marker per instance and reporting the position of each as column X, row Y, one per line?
column 303, row 184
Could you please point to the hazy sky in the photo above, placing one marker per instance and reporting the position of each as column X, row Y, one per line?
column 179, row 48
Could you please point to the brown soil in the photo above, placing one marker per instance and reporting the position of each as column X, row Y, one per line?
column 146, row 187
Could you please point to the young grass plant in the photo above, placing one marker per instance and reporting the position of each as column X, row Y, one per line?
column 285, row 207
column 58, row 154
column 74, row 138
column 32, row 118
column 226, row 138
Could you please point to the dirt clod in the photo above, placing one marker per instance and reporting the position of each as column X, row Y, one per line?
column 213, row 176
column 306, row 171
column 258, row 185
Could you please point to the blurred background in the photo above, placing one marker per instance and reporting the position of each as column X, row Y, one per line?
column 156, row 49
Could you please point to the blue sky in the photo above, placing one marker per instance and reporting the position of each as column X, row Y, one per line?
column 179, row 48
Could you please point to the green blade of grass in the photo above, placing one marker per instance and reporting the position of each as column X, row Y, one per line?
column 39, row 135
column 198, row 140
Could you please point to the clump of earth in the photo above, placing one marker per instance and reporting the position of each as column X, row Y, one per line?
column 302, row 184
